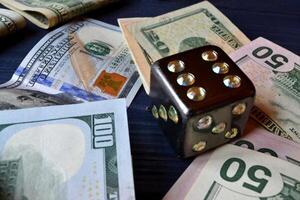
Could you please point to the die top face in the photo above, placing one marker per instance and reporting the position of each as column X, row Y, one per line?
column 203, row 78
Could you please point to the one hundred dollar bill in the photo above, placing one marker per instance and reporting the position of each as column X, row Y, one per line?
column 232, row 172
column 201, row 24
column 66, row 152
column 46, row 14
column 10, row 22
column 275, row 73
column 16, row 99
column 87, row 59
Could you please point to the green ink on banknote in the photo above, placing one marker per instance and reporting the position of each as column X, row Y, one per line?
column 98, row 48
column 289, row 82
column 290, row 190
column 192, row 43
column 217, row 27
column 8, row 23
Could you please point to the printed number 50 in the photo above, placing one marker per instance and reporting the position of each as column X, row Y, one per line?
column 277, row 60
column 240, row 172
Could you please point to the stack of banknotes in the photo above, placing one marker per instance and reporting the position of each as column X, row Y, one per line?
column 64, row 130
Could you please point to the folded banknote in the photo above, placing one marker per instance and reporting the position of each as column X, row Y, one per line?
column 47, row 14
column 10, row 22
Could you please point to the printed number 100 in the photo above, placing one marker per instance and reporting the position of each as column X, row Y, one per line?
column 240, row 172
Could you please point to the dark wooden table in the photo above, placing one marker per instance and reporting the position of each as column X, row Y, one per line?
column 155, row 165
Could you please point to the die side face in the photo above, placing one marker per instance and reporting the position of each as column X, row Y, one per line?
column 168, row 114
column 209, row 130
column 201, row 86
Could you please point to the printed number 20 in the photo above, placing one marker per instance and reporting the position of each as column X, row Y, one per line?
column 277, row 60
column 240, row 172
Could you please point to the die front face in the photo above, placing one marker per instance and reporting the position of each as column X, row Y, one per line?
column 210, row 96
column 208, row 130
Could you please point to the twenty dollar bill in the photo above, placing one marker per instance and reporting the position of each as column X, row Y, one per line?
column 191, row 27
column 46, row 14
column 66, row 152
column 275, row 73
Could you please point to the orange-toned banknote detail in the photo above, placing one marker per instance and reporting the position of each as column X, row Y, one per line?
column 110, row 83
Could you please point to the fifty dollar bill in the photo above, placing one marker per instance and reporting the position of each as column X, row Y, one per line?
column 150, row 39
column 235, row 173
column 65, row 152
column 46, row 14
column 87, row 59
column 231, row 172
column 275, row 73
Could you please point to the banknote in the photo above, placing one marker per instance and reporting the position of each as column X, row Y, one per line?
column 46, row 14
column 16, row 99
column 137, row 52
column 255, row 138
column 198, row 25
column 66, row 152
column 275, row 73
column 258, row 139
column 232, row 172
column 10, row 22
column 86, row 59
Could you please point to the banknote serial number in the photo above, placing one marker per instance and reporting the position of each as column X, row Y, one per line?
column 103, row 131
